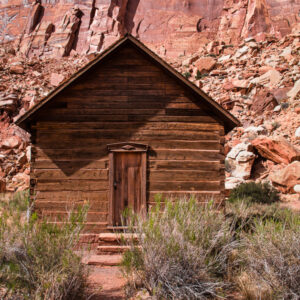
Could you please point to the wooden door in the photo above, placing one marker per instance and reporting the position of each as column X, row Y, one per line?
column 127, row 181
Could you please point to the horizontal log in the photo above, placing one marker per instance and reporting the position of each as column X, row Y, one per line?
column 127, row 105
column 187, row 144
column 71, row 185
column 72, row 154
column 146, row 86
column 100, row 112
column 62, row 216
column 185, row 175
column 95, row 97
column 185, row 186
column 116, row 106
column 183, row 195
column 126, row 118
column 98, row 206
column 72, row 196
column 131, row 61
column 102, row 152
column 115, row 92
column 191, row 119
column 70, row 164
column 59, row 174
column 82, row 118
column 153, row 144
column 128, row 134
column 179, row 154
column 79, row 96
column 61, row 126
column 119, row 68
column 185, row 165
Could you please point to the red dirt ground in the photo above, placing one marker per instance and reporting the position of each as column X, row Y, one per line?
column 110, row 282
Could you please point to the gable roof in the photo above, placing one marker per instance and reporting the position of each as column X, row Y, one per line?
column 229, row 120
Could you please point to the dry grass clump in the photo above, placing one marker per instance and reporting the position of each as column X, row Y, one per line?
column 37, row 260
column 193, row 251
column 185, row 251
column 271, row 258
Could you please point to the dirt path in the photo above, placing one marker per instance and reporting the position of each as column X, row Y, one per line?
column 110, row 280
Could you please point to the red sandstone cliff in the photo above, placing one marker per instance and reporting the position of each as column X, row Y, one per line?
column 243, row 53
column 173, row 27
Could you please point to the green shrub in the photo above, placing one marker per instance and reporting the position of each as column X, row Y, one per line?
column 187, row 75
column 37, row 260
column 254, row 192
column 184, row 252
column 198, row 75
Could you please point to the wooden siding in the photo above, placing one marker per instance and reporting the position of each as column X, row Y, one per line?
column 127, row 98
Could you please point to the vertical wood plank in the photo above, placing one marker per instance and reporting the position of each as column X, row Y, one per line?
column 144, row 183
column 111, row 188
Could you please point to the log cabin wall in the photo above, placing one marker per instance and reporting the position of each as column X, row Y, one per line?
column 125, row 99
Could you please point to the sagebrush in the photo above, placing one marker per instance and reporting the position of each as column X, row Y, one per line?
column 271, row 258
column 184, row 252
column 37, row 260
column 194, row 251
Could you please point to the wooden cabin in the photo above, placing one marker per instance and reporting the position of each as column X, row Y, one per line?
column 121, row 130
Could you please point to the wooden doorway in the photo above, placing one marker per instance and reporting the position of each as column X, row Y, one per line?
column 127, row 180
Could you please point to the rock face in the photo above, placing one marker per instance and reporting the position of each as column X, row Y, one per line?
column 244, row 54
column 179, row 26
column 278, row 151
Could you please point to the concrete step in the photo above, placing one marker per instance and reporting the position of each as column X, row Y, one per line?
column 111, row 249
column 103, row 260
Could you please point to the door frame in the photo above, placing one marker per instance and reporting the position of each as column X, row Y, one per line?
column 127, row 147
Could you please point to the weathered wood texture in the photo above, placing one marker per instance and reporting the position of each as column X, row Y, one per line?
column 126, row 98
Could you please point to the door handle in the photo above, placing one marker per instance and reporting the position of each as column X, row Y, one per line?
column 115, row 185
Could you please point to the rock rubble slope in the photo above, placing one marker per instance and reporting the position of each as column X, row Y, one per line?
column 244, row 54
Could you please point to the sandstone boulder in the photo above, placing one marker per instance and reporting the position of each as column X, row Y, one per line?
column 240, row 52
column 297, row 188
column 297, row 133
column 205, row 64
column 10, row 143
column 286, row 178
column 259, row 130
column 240, row 160
column 232, row 182
column 56, row 79
column 270, row 79
column 295, row 90
column 16, row 69
column 19, row 182
column 190, row 60
column 263, row 101
column 278, row 151
column 8, row 102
